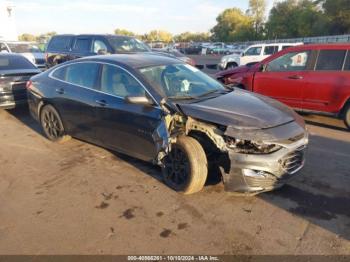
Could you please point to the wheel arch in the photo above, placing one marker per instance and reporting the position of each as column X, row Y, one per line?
column 344, row 107
column 44, row 103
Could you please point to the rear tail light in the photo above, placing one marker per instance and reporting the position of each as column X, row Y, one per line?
column 46, row 56
column 29, row 84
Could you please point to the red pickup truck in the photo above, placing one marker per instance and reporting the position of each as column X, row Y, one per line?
column 309, row 78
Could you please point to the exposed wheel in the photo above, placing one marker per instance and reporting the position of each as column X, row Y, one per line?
column 185, row 168
column 52, row 125
column 347, row 116
column 231, row 65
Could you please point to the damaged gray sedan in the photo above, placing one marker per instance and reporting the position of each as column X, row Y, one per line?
column 161, row 110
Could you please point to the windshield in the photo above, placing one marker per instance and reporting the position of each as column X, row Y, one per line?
column 181, row 81
column 24, row 48
column 127, row 44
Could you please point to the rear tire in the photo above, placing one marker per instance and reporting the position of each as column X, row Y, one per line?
column 52, row 124
column 185, row 168
column 347, row 116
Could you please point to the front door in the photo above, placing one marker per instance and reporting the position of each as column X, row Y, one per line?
column 125, row 127
column 284, row 78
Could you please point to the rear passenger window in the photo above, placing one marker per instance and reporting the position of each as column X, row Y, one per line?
column 330, row 60
column 60, row 43
column 60, row 73
column 82, row 45
column 83, row 74
column 118, row 82
column 270, row 50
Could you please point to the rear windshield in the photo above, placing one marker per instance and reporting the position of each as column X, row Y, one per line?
column 127, row 44
column 24, row 48
column 14, row 63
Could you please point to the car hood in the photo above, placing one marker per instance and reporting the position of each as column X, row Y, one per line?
column 239, row 69
column 240, row 109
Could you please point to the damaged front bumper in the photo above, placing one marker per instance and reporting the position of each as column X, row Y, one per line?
column 254, row 174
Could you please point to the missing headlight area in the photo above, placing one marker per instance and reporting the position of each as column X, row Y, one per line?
column 249, row 161
column 250, row 147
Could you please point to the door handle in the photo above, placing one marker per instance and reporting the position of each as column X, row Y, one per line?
column 101, row 102
column 296, row 77
column 60, row 91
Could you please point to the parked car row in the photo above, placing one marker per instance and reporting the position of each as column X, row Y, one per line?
column 308, row 78
column 253, row 54
column 29, row 50
column 163, row 110
column 15, row 71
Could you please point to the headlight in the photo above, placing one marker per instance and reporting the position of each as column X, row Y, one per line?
column 250, row 147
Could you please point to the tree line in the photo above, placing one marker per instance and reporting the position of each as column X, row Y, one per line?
column 286, row 19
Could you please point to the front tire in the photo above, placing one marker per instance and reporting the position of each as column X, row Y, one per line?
column 52, row 124
column 347, row 116
column 185, row 168
column 231, row 65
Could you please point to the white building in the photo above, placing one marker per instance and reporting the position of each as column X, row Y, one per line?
column 7, row 21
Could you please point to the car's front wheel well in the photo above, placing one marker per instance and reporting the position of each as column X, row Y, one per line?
column 213, row 154
column 344, row 108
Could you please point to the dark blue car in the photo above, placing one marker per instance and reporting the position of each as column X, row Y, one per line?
column 162, row 110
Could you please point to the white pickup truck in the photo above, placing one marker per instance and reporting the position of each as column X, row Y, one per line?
column 253, row 54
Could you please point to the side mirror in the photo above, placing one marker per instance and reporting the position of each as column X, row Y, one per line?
column 139, row 100
column 262, row 67
column 242, row 54
column 102, row 52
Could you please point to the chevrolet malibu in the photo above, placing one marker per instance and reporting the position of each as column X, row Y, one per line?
column 161, row 110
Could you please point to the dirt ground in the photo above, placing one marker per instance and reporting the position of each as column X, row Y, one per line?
column 76, row 198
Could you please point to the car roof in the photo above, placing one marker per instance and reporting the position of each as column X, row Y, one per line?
column 326, row 46
column 134, row 60
column 11, row 55
column 17, row 42
column 92, row 35
column 273, row 44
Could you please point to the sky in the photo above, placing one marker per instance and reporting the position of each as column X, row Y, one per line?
column 139, row 16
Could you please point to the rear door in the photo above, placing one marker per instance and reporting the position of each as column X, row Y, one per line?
column 58, row 50
column 125, row 127
column 326, row 82
column 74, row 93
column 285, row 77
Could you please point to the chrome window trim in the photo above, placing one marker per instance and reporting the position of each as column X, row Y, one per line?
column 99, row 91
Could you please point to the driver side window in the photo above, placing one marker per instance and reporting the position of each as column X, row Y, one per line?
column 253, row 51
column 99, row 45
column 295, row 61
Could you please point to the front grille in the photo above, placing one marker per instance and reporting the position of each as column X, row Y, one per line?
column 292, row 162
column 264, row 182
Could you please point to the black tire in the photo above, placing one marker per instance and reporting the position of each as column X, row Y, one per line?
column 185, row 168
column 231, row 65
column 347, row 116
column 52, row 124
